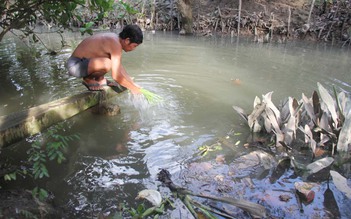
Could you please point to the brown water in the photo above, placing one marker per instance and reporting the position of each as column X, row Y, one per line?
column 118, row 156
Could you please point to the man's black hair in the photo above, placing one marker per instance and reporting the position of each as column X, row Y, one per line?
column 133, row 32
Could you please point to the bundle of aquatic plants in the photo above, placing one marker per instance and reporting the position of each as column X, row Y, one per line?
column 150, row 96
column 324, row 119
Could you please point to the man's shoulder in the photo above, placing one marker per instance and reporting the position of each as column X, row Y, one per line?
column 106, row 35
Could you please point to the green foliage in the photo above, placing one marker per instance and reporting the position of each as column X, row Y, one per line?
column 205, row 149
column 129, row 9
column 24, row 15
column 10, row 176
column 136, row 213
column 142, row 212
column 50, row 146
column 87, row 28
column 27, row 214
column 150, row 96
column 40, row 193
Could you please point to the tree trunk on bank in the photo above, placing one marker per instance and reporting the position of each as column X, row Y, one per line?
column 186, row 14
column 153, row 15
column 19, row 125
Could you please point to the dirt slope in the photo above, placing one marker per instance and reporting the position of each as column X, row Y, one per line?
column 282, row 18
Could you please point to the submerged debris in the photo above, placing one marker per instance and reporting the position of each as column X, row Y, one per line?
column 305, row 190
column 153, row 196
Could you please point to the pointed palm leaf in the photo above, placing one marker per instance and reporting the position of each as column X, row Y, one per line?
column 268, row 100
column 344, row 140
column 309, row 108
column 329, row 102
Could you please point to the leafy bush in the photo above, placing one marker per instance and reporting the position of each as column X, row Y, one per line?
column 49, row 146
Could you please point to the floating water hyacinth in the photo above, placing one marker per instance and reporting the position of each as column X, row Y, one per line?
column 151, row 97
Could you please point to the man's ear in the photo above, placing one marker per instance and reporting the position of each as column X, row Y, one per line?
column 127, row 41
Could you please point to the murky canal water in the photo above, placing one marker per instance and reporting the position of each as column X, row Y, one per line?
column 199, row 79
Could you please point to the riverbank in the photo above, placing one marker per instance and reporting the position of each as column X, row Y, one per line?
column 276, row 20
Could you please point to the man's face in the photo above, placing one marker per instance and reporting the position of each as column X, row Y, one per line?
column 128, row 46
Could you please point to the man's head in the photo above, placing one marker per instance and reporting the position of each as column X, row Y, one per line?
column 131, row 36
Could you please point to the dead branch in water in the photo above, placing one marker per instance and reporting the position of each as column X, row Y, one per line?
column 255, row 209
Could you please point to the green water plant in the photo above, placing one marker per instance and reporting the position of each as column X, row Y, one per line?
column 150, row 96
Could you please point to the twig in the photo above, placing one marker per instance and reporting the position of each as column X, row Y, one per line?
column 255, row 209
column 215, row 211
column 298, row 202
column 332, row 23
column 289, row 20
column 309, row 16
column 239, row 17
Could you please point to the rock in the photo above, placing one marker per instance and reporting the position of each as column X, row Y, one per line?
column 284, row 198
column 105, row 108
column 256, row 164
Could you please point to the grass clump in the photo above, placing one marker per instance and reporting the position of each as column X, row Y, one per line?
column 150, row 96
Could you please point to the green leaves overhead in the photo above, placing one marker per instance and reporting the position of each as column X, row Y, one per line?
column 128, row 8
column 24, row 15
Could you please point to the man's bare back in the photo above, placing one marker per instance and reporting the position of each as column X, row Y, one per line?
column 102, row 53
column 99, row 45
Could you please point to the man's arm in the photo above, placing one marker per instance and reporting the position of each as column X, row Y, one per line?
column 124, row 79
column 118, row 72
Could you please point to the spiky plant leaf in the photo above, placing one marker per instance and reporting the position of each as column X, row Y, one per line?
column 340, row 183
column 344, row 140
column 256, row 101
column 285, row 110
column 257, row 127
column 268, row 100
column 290, row 130
column 273, row 119
column 324, row 122
column 329, row 102
column 267, row 123
column 344, row 105
column 309, row 138
column 338, row 104
column 309, row 108
column 324, row 125
column 316, row 103
column 256, row 113
column 241, row 112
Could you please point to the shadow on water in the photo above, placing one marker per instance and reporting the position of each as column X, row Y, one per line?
column 199, row 79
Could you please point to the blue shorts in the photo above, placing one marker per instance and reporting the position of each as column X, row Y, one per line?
column 78, row 67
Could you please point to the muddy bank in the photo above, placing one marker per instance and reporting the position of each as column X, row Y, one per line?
column 268, row 21
column 276, row 20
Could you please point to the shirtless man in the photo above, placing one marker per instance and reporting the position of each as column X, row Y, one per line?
column 101, row 53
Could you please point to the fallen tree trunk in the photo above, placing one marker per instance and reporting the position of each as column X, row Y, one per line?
column 19, row 125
